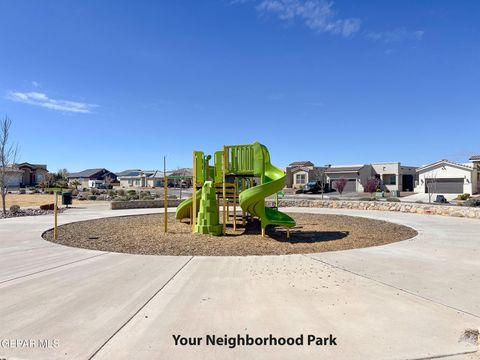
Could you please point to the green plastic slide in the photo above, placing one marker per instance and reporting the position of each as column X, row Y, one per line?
column 252, row 200
column 183, row 209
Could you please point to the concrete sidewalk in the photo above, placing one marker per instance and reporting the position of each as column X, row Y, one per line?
column 406, row 300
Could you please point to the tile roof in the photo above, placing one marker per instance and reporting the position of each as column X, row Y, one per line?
column 475, row 157
column 85, row 173
column 340, row 169
column 301, row 163
column 126, row 172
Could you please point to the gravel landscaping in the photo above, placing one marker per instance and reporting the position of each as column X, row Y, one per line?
column 27, row 212
column 143, row 234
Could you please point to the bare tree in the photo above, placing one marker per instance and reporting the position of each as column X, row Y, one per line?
column 322, row 181
column 431, row 185
column 8, row 158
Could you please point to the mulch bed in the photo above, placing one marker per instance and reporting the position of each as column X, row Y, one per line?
column 144, row 234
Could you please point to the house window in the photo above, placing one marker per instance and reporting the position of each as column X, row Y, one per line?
column 300, row 179
column 130, row 182
column 137, row 182
column 389, row 179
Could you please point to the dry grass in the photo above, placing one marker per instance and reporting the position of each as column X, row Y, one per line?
column 28, row 200
column 144, row 234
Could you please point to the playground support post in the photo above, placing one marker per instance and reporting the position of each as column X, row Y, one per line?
column 243, row 212
column 165, row 194
column 55, row 216
column 235, row 205
column 194, row 192
column 224, row 190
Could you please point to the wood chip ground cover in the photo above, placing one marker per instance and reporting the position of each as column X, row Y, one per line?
column 143, row 234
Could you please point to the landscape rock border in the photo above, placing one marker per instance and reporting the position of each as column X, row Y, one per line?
column 142, row 204
column 429, row 209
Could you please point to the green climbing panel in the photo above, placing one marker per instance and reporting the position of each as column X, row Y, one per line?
column 208, row 217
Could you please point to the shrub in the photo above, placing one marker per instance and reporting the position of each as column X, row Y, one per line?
column 145, row 195
column 366, row 199
column 471, row 203
column 463, row 197
column 133, row 197
column 340, row 185
column 47, row 207
column 92, row 197
column 81, row 196
column 131, row 192
column 121, row 192
column 14, row 209
column 334, row 198
column 111, row 193
column 102, row 197
column 22, row 191
column 372, row 185
column 393, row 200
column 93, row 191
column 120, row 198
column 74, row 192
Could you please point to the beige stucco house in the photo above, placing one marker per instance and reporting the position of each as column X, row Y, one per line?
column 300, row 173
column 91, row 178
column 153, row 178
column 392, row 175
column 25, row 175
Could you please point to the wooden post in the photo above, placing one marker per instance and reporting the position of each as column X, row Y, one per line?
column 235, row 205
column 288, row 233
column 243, row 212
column 224, row 190
column 165, row 195
column 55, row 216
column 194, row 193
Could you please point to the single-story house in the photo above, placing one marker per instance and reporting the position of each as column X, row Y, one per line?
column 395, row 176
column 142, row 178
column 356, row 176
column 33, row 174
column 392, row 175
column 91, row 178
column 449, row 177
column 13, row 177
column 25, row 174
column 299, row 173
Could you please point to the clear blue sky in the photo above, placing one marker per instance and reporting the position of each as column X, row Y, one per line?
column 119, row 84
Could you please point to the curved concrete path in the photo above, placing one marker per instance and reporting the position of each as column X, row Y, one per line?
column 407, row 300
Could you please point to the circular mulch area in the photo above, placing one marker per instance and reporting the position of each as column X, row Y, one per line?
column 144, row 234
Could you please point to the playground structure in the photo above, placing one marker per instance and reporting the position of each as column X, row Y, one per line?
column 241, row 174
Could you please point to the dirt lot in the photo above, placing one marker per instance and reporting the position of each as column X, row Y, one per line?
column 314, row 233
column 28, row 200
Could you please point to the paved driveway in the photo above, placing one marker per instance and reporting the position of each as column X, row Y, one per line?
column 407, row 300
